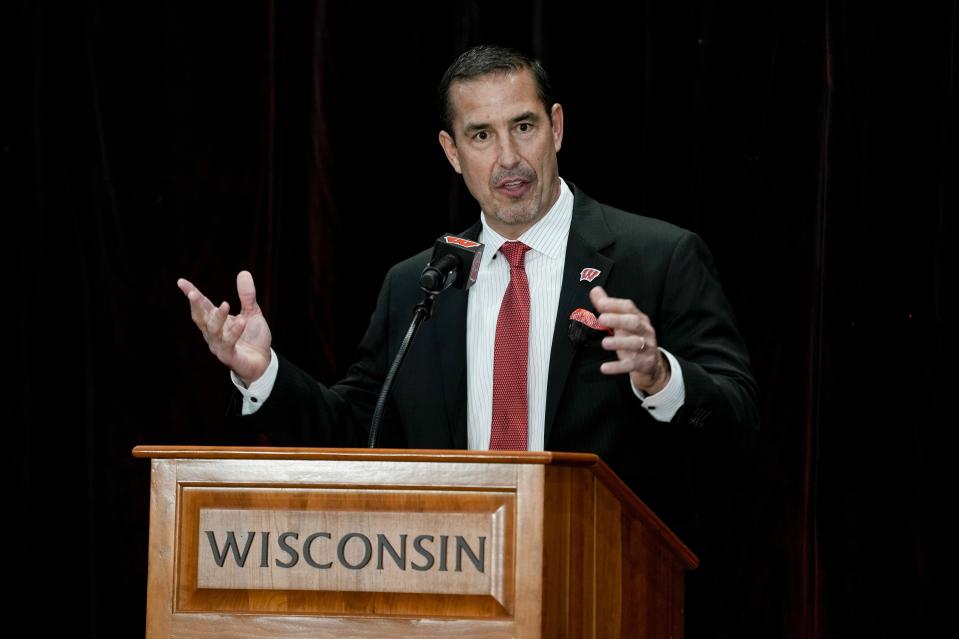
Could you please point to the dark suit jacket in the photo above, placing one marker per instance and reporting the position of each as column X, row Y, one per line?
column 665, row 270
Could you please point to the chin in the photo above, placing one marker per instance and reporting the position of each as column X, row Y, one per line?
column 515, row 217
column 519, row 212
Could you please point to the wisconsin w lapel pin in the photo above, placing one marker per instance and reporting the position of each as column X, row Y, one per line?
column 589, row 274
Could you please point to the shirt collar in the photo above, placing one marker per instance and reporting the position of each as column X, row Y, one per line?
column 548, row 236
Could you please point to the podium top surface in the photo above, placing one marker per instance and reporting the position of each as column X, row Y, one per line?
column 367, row 454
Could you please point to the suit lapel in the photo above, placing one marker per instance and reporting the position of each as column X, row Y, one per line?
column 449, row 331
column 588, row 235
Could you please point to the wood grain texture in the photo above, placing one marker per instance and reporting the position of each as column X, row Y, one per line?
column 611, row 569
column 637, row 509
column 585, row 558
column 529, row 550
column 162, row 544
column 339, row 473
column 364, row 454
column 194, row 626
column 608, row 558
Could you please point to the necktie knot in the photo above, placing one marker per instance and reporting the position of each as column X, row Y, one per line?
column 515, row 253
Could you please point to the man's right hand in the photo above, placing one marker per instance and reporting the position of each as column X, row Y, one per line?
column 242, row 341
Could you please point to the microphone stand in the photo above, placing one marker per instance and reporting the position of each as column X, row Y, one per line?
column 440, row 274
column 421, row 312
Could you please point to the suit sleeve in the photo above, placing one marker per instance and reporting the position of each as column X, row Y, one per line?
column 303, row 412
column 696, row 324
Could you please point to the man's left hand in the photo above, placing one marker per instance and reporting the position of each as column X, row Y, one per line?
column 634, row 341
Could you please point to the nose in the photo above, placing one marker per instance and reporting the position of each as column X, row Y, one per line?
column 508, row 153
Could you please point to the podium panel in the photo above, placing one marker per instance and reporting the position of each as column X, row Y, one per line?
column 271, row 542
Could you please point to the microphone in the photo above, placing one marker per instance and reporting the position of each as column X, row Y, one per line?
column 455, row 262
column 584, row 327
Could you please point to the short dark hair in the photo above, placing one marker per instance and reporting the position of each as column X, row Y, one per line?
column 485, row 60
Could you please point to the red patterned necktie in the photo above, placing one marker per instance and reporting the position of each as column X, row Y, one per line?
column 510, row 357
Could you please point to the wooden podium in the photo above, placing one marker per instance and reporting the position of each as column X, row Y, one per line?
column 296, row 542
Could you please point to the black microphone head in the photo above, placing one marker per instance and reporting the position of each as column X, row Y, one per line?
column 455, row 262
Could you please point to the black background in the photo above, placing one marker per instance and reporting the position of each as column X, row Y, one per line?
column 812, row 144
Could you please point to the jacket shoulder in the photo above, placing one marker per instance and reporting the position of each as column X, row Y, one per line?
column 625, row 231
column 624, row 223
column 411, row 266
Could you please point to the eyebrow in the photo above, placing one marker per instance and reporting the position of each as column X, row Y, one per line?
column 526, row 116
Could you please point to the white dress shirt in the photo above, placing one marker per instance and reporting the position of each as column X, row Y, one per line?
column 544, row 269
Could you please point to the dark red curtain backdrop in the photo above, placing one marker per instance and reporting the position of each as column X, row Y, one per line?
column 812, row 144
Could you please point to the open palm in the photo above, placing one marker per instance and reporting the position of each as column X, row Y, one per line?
column 242, row 341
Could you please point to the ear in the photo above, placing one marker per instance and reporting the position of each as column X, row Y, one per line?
column 556, row 114
column 449, row 148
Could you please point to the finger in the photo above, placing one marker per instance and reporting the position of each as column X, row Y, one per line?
column 233, row 330
column 246, row 291
column 603, row 302
column 616, row 305
column 642, row 363
column 630, row 343
column 618, row 367
column 215, row 321
column 596, row 295
column 632, row 322
column 192, row 292
column 200, row 309
column 200, row 306
column 185, row 285
column 606, row 304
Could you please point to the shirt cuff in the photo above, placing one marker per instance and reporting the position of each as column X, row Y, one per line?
column 259, row 391
column 664, row 405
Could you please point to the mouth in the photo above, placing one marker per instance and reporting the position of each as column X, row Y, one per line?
column 513, row 186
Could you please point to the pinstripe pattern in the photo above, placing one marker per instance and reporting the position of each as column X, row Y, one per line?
column 544, row 269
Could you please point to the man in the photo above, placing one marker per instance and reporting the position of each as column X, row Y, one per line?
column 496, row 367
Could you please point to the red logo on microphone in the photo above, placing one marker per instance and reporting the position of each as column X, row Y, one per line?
column 450, row 239
column 588, row 274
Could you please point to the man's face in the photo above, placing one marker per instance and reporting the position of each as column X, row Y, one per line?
column 504, row 145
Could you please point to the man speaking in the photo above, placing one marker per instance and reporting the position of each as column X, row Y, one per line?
column 588, row 329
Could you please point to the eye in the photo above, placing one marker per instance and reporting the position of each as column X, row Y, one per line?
column 481, row 136
column 524, row 127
